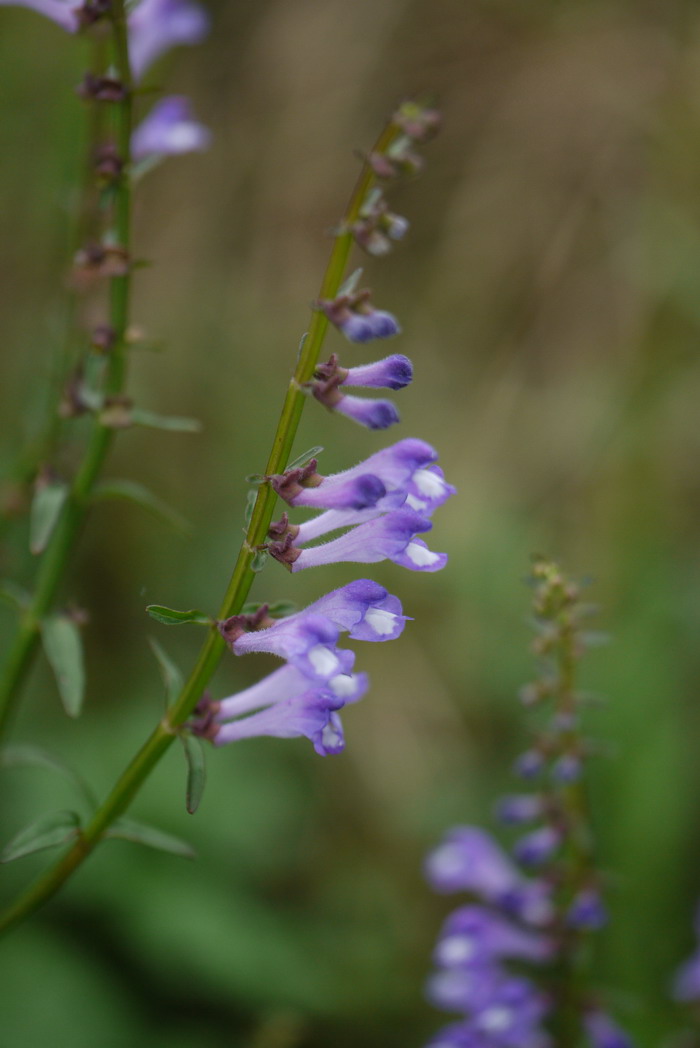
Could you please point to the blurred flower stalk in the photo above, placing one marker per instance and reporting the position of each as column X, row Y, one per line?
column 381, row 507
column 542, row 909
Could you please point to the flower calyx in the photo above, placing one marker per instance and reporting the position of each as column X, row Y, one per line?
column 101, row 89
column 285, row 551
column 235, row 626
column 290, row 484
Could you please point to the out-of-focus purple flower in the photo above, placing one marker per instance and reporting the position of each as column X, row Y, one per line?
column 394, row 372
column 603, row 1032
column 363, row 608
column 457, row 1035
column 470, row 860
column 169, row 129
column 390, row 537
column 586, row 911
column 686, row 983
column 474, row 935
column 313, row 714
column 517, row 808
column 529, row 764
column 374, row 414
column 505, row 1010
column 63, row 12
column 537, row 847
column 155, row 26
column 358, row 320
column 307, row 641
column 568, row 768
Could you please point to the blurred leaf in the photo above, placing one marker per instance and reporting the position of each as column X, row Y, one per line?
column 351, row 283
column 172, row 677
column 15, row 595
column 259, row 560
column 281, row 609
column 130, row 491
column 171, row 617
column 64, row 650
column 302, row 460
column 26, row 756
column 48, row 831
column 173, row 423
column 128, row 830
column 46, row 506
column 196, row 770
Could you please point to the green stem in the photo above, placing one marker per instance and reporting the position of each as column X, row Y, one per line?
column 55, row 557
column 242, row 577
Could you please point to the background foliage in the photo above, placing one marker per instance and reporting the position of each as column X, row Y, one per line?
column 548, row 293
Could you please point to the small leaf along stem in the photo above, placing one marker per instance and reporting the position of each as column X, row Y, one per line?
column 56, row 555
column 242, row 577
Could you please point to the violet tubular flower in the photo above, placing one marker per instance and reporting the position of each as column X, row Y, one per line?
column 169, row 130
column 308, row 642
column 364, row 608
column 374, row 414
column 312, row 714
column 392, row 536
column 156, row 26
column 394, row 372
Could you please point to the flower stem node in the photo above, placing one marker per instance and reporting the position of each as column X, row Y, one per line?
column 101, row 89
column 108, row 164
column 417, row 121
column 235, row 626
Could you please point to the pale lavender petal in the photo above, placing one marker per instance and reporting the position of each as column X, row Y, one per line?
column 308, row 642
column 428, row 489
column 365, row 609
column 470, row 860
column 604, row 1033
column 285, row 683
column 168, row 130
column 155, row 26
column 384, row 538
column 63, row 12
column 472, row 935
column 311, row 714
column 340, row 492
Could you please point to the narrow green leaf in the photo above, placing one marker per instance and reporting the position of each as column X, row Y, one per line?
column 15, row 595
column 172, row 677
column 196, row 770
column 281, row 609
column 255, row 478
column 64, row 650
column 302, row 460
column 259, row 560
column 26, row 756
column 128, row 830
column 46, row 506
column 251, row 498
column 130, row 491
column 351, row 283
column 48, row 831
column 173, row 423
column 171, row 617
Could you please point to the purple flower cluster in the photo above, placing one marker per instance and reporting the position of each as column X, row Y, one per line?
column 686, row 983
column 539, row 908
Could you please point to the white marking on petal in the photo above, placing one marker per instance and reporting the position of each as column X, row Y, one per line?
column 496, row 1019
column 456, row 950
column 421, row 556
column 323, row 660
column 344, row 685
column 429, row 483
column 382, row 622
column 415, row 503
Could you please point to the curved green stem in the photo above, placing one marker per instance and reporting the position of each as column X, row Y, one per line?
column 55, row 557
column 242, row 577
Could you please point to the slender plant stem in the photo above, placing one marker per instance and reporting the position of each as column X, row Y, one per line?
column 55, row 558
column 242, row 577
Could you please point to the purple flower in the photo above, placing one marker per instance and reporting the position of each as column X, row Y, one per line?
column 568, row 768
column 518, row 808
column 474, row 935
column 392, row 537
column 604, row 1033
column 529, row 764
column 169, row 129
column 154, row 26
column 428, row 489
column 393, row 372
column 288, row 682
column 342, row 493
column 157, row 25
column 313, row 714
column 307, row 641
column 366, row 325
column 374, row 414
column 686, row 983
column 470, row 860
column 363, row 608
column 457, row 1035
column 586, row 911
column 537, row 847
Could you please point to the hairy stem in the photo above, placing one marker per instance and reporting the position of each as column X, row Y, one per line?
column 242, row 577
column 55, row 558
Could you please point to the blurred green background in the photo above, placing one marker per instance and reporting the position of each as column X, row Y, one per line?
column 548, row 293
